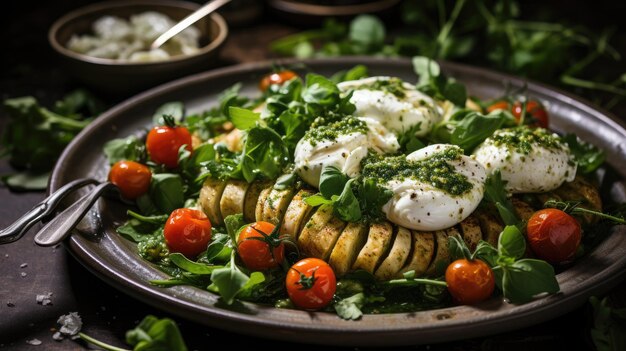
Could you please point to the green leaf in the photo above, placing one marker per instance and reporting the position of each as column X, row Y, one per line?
column 166, row 191
column 317, row 200
column 332, row 181
column 175, row 109
column 367, row 31
column 346, row 206
column 372, row 198
column 243, row 118
column 456, row 93
column 469, row 128
column 25, row 181
column 511, row 242
column 350, row 308
column 495, row 193
column 320, row 90
column 153, row 334
column 229, row 282
column 426, row 69
column 137, row 231
column 190, row 266
column 129, row 148
column 218, row 250
column 158, row 220
column 285, row 181
column 355, row 73
column 526, row 278
column 264, row 153
column 233, row 224
column 587, row 156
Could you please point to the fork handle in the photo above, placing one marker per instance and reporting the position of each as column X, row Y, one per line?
column 60, row 226
column 18, row 228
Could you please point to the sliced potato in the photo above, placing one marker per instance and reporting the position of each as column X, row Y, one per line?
column 524, row 210
column 320, row 233
column 348, row 245
column 276, row 204
column 422, row 253
column 251, row 200
column 233, row 197
column 442, row 254
column 378, row 240
column 581, row 190
column 470, row 228
column 209, row 200
column 258, row 210
column 490, row 225
column 297, row 212
column 397, row 257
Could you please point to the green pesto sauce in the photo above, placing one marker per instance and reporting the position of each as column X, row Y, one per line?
column 392, row 86
column 434, row 170
column 333, row 130
column 522, row 139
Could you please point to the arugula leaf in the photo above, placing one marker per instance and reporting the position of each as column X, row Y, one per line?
column 286, row 181
column 317, row 200
column 78, row 103
column 233, row 225
column 408, row 141
column 219, row 249
column 129, row 148
column 190, row 266
column 320, row 90
column 526, row 278
column 426, row 69
column 372, row 198
column 434, row 83
column 229, row 280
column 243, row 118
column 588, row 157
column 137, row 231
column 26, row 181
column 166, row 191
column 355, row 73
column 231, row 97
column 346, row 205
column 332, row 181
column 153, row 334
column 175, row 109
column 350, row 307
column 495, row 193
column 467, row 128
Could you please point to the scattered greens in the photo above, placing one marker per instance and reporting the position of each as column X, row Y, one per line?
column 34, row 136
column 151, row 334
column 609, row 325
column 496, row 194
column 587, row 156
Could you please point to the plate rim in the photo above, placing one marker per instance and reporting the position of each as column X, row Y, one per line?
column 237, row 322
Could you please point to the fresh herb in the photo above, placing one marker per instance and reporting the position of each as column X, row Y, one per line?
column 434, row 83
column 34, row 136
column 467, row 128
column 495, row 193
column 264, row 154
column 573, row 207
column 166, row 192
column 350, row 307
column 587, row 156
column 129, row 148
column 174, row 109
column 243, row 118
column 151, row 334
column 337, row 191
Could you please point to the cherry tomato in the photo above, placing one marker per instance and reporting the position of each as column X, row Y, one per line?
column 255, row 253
column 553, row 235
column 469, row 282
column 276, row 78
column 187, row 231
column 132, row 178
column 311, row 284
column 534, row 110
column 163, row 143
column 499, row 105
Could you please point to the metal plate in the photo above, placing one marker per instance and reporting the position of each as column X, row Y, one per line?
column 114, row 259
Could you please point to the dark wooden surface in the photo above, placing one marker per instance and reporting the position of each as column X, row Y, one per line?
column 106, row 312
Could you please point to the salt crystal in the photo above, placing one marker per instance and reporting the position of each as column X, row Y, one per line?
column 44, row 299
column 71, row 324
column 23, row 274
column 35, row 342
column 24, row 265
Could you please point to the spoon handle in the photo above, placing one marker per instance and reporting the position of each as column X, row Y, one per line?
column 18, row 228
column 58, row 228
column 188, row 21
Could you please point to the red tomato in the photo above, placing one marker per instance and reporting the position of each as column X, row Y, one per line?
column 469, row 282
column 499, row 105
column 187, row 231
column 276, row 78
column 311, row 284
column 534, row 110
column 553, row 235
column 163, row 143
column 132, row 178
column 255, row 253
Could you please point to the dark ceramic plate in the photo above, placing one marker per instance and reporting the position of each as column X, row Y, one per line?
column 114, row 259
